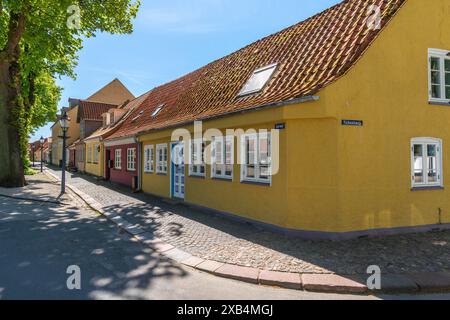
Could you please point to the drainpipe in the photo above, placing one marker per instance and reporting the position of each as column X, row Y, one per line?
column 139, row 163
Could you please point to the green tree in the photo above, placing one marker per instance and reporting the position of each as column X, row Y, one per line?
column 39, row 41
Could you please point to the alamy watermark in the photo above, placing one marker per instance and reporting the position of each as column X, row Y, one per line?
column 374, row 281
column 74, row 19
column 374, row 20
column 74, row 280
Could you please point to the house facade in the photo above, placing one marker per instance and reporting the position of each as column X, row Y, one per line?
column 334, row 128
column 121, row 153
column 85, row 118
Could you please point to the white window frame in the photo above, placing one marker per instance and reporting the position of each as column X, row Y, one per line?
column 442, row 55
column 257, row 165
column 149, row 158
column 162, row 158
column 131, row 159
column 196, row 167
column 222, row 142
column 245, row 92
column 118, row 159
column 425, row 142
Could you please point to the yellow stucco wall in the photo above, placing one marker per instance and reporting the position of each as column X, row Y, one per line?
column 336, row 178
column 56, row 144
column 388, row 89
column 94, row 168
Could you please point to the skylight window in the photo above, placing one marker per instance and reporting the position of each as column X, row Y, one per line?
column 258, row 80
column 158, row 110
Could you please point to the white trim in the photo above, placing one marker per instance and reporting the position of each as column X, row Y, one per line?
column 202, row 144
column 165, row 162
column 118, row 151
column 442, row 55
column 149, row 163
column 120, row 142
column 424, row 142
column 224, row 141
column 243, row 151
column 131, row 159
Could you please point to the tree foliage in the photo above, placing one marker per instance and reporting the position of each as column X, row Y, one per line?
column 39, row 43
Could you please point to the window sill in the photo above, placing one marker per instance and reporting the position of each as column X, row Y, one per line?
column 222, row 179
column 258, row 183
column 424, row 188
column 439, row 103
column 148, row 172
column 197, row 176
column 161, row 173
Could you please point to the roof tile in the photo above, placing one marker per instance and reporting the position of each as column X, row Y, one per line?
column 310, row 56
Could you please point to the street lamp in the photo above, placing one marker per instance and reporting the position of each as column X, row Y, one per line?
column 32, row 151
column 64, row 123
column 42, row 152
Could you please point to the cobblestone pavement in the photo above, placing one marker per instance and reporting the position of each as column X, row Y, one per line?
column 214, row 237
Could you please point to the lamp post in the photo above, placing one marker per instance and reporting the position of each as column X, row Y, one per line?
column 32, row 151
column 42, row 153
column 64, row 123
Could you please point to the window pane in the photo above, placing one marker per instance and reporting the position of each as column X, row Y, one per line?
column 435, row 63
column 264, row 172
column 264, row 150
column 435, row 77
column 251, row 150
column 219, row 152
column 447, row 92
column 418, row 164
column 432, row 163
column 447, row 65
column 447, row 78
column 228, row 170
column 229, row 152
column 436, row 91
column 258, row 80
column 250, row 171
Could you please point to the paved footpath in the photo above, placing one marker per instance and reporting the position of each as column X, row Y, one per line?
column 208, row 242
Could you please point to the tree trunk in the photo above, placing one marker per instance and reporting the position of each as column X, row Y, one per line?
column 11, row 169
column 11, row 106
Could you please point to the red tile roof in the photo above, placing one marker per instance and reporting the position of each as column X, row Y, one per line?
column 310, row 55
column 104, row 132
column 93, row 110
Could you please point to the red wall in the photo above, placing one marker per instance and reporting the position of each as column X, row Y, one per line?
column 122, row 176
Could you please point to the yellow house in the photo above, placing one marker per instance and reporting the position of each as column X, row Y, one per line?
column 345, row 125
column 95, row 148
column 85, row 118
column 73, row 134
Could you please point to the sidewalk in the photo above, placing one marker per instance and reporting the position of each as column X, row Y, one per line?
column 214, row 244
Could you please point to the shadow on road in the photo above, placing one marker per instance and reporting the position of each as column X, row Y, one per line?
column 40, row 241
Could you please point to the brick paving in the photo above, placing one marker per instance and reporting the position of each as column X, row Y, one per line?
column 212, row 237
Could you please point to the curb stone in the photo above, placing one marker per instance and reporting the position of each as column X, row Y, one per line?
column 329, row 283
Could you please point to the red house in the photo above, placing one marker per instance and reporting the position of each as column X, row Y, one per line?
column 122, row 154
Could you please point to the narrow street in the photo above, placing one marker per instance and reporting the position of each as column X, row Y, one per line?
column 41, row 239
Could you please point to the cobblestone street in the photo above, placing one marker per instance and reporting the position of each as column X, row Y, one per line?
column 209, row 236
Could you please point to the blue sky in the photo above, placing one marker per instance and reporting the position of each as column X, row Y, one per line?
column 174, row 37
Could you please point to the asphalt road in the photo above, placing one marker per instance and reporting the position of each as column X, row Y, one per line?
column 39, row 241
